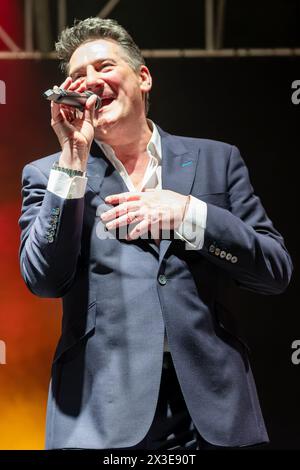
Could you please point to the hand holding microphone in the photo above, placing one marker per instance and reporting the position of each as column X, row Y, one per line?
column 75, row 131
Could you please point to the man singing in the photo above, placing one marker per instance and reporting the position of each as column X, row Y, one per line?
column 144, row 235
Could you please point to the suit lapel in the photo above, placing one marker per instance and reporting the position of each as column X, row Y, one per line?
column 103, row 178
column 178, row 171
column 178, row 164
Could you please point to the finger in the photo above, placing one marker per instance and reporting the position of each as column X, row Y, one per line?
column 126, row 219
column 55, row 112
column 66, row 84
column 138, row 230
column 120, row 210
column 55, row 107
column 67, row 118
column 69, row 113
column 79, row 82
column 81, row 88
column 62, row 113
column 89, row 110
column 123, row 197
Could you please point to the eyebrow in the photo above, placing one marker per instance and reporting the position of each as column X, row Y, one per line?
column 97, row 61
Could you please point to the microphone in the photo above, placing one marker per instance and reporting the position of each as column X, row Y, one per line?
column 70, row 98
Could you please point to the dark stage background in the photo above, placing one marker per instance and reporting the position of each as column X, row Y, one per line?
column 243, row 101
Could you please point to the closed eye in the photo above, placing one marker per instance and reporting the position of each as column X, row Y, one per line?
column 105, row 67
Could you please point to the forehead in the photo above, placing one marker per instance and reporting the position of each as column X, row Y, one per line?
column 99, row 49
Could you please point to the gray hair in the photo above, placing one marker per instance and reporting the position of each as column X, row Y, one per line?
column 91, row 29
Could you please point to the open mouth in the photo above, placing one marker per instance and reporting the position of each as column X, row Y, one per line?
column 106, row 101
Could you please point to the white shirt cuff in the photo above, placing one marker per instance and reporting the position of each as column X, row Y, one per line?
column 65, row 186
column 192, row 228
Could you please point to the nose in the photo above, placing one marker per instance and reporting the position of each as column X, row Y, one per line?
column 93, row 81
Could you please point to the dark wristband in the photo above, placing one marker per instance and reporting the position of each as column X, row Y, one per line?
column 69, row 171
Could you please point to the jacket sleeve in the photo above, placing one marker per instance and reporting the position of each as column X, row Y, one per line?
column 50, row 236
column 243, row 240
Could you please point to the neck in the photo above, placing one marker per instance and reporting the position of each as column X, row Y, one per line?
column 128, row 142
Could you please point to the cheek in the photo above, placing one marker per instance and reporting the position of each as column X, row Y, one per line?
column 129, row 85
column 124, row 86
column 112, row 82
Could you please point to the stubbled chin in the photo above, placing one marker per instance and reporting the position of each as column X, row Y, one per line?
column 103, row 124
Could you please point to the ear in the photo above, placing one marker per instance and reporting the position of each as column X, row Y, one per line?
column 145, row 79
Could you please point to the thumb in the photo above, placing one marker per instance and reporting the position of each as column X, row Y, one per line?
column 89, row 110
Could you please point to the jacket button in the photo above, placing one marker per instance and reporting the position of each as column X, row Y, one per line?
column 162, row 279
column 234, row 259
column 222, row 254
column 228, row 256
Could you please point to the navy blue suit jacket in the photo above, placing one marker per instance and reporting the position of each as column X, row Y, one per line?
column 107, row 366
